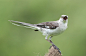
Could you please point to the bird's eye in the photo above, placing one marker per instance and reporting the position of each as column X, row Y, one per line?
column 65, row 17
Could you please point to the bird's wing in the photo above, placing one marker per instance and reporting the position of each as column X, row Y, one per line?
column 48, row 25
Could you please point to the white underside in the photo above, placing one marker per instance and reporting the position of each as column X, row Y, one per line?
column 53, row 32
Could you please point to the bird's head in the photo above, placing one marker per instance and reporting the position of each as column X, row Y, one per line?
column 64, row 18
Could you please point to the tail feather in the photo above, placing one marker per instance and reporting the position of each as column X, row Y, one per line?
column 27, row 25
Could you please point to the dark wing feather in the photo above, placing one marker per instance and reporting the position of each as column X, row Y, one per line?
column 48, row 25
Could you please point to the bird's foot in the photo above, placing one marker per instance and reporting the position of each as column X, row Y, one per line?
column 55, row 47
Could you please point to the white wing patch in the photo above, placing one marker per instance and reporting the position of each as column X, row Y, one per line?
column 47, row 27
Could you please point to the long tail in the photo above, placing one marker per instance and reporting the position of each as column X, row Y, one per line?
column 27, row 25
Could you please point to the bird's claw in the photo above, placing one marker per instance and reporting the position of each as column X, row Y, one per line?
column 55, row 47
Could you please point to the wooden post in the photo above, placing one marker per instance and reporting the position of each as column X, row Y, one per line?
column 54, row 51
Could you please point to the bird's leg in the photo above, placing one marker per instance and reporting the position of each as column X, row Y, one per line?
column 46, row 38
column 50, row 37
column 50, row 40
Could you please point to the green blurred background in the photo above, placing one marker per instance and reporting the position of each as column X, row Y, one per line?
column 20, row 41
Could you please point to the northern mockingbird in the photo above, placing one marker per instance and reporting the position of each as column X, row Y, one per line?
column 47, row 28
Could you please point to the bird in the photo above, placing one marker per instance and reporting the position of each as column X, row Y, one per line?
column 51, row 28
